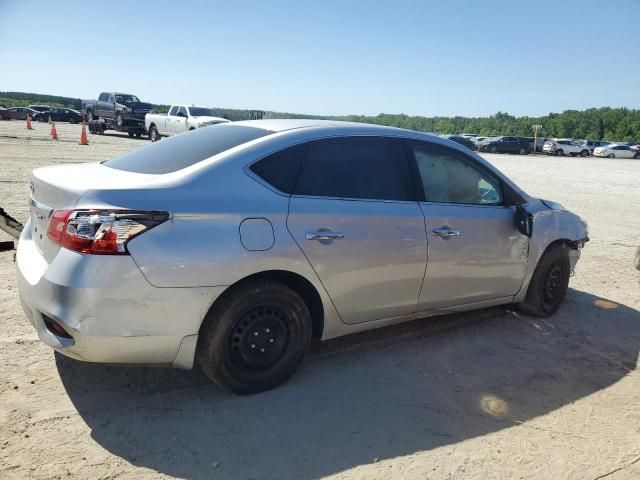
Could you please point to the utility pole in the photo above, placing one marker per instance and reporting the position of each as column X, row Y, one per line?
column 535, row 136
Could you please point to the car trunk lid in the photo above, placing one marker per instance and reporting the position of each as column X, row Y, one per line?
column 61, row 187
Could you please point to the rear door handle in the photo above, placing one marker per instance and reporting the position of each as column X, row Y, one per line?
column 323, row 236
column 445, row 232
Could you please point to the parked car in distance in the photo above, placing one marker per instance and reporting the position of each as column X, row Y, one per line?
column 466, row 141
column 118, row 111
column 592, row 144
column 59, row 115
column 5, row 114
column 180, row 119
column 40, row 108
column 616, row 151
column 506, row 145
column 565, row 146
column 20, row 113
column 236, row 244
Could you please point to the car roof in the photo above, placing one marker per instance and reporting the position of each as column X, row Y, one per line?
column 281, row 125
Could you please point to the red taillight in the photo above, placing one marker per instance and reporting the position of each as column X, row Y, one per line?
column 100, row 231
column 56, row 225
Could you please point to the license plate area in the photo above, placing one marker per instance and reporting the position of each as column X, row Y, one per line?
column 40, row 215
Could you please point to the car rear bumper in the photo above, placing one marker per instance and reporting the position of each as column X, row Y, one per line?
column 110, row 313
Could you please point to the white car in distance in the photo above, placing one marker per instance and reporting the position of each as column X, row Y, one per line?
column 565, row 146
column 180, row 119
column 617, row 151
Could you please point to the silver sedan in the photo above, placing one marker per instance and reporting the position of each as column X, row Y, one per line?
column 235, row 245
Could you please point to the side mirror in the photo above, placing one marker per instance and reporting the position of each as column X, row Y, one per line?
column 523, row 221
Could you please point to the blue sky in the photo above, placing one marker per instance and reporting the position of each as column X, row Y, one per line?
column 428, row 58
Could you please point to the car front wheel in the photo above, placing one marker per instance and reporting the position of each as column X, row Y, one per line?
column 493, row 149
column 584, row 153
column 549, row 283
column 254, row 337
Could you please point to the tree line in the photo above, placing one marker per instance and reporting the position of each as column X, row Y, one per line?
column 612, row 124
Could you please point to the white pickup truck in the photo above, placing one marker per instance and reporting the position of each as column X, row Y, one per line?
column 181, row 118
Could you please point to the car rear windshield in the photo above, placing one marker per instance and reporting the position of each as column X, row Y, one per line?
column 187, row 149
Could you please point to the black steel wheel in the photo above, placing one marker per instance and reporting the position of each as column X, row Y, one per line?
column 549, row 283
column 259, row 338
column 254, row 336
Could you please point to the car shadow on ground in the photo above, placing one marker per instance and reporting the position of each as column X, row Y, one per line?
column 377, row 395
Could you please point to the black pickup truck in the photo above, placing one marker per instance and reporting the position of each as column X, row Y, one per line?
column 122, row 112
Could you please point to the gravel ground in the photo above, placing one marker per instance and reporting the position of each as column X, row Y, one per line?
column 484, row 395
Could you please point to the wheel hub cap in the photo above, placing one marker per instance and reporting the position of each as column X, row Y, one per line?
column 259, row 338
column 553, row 284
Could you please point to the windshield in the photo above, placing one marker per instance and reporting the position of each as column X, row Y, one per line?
column 187, row 149
column 203, row 112
column 127, row 99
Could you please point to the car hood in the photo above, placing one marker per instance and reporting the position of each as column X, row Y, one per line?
column 136, row 105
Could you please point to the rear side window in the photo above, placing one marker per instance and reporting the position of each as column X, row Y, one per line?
column 352, row 167
column 280, row 169
column 187, row 149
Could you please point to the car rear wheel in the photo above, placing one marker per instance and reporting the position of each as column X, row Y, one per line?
column 254, row 337
column 549, row 283
column 559, row 153
column 153, row 134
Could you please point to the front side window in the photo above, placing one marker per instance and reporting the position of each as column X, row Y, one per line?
column 182, row 112
column 173, row 111
column 447, row 176
column 352, row 167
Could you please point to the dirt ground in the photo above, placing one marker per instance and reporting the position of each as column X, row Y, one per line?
column 484, row 395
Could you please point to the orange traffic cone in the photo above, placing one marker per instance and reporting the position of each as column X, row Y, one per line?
column 54, row 132
column 83, row 135
column 29, row 127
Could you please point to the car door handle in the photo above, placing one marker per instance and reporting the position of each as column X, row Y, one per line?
column 323, row 236
column 445, row 232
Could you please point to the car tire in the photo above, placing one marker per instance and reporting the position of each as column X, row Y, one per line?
column 522, row 151
column 549, row 283
column 130, row 134
column 572, row 154
column 559, row 153
column 153, row 133
column 637, row 155
column 254, row 337
column 493, row 149
column 584, row 153
column 611, row 155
